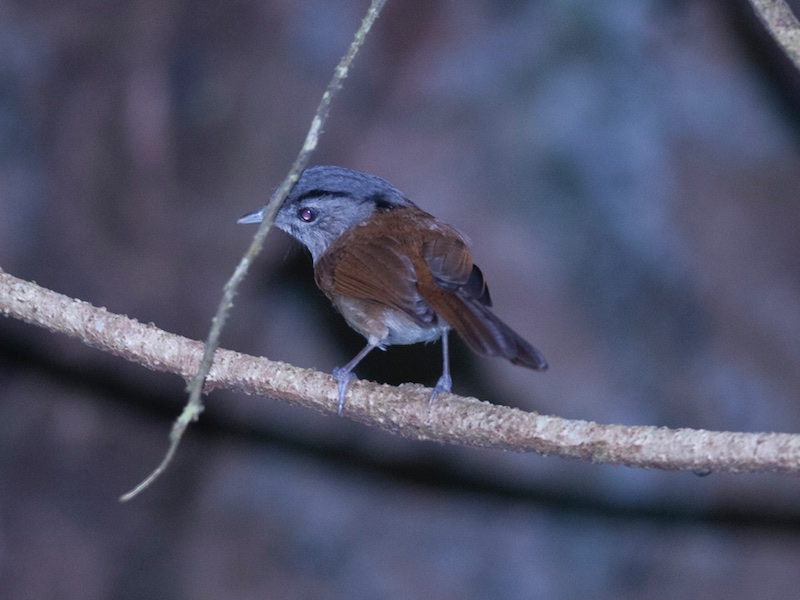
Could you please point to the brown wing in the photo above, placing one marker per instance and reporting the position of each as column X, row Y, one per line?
column 450, row 262
column 373, row 269
column 462, row 299
column 448, row 259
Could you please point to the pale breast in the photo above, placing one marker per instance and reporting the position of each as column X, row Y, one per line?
column 384, row 326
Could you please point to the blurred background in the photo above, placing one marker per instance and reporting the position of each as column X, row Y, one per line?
column 628, row 173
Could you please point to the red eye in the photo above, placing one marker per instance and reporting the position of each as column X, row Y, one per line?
column 306, row 214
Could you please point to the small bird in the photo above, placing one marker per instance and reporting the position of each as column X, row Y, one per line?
column 397, row 274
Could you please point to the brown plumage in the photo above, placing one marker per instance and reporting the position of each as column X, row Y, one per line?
column 423, row 268
column 397, row 274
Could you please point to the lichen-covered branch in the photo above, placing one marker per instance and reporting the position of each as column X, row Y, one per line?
column 404, row 409
column 782, row 23
column 194, row 406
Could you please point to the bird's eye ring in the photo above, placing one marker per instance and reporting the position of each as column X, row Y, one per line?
column 306, row 214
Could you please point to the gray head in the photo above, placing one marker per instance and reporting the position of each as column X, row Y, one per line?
column 327, row 201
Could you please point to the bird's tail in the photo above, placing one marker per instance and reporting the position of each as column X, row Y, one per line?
column 487, row 335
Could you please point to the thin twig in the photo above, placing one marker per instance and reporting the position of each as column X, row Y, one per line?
column 194, row 406
column 778, row 17
column 404, row 410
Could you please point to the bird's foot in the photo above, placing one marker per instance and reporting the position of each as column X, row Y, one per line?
column 343, row 378
column 443, row 385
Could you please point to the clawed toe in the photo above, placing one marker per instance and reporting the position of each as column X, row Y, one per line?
column 343, row 378
column 443, row 385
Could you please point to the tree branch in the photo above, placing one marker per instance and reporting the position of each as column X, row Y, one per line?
column 404, row 410
column 196, row 385
column 782, row 23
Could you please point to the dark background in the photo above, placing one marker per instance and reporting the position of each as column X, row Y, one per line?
column 628, row 173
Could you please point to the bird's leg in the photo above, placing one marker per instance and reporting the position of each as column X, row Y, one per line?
column 445, row 381
column 344, row 375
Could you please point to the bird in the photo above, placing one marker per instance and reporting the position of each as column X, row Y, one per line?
column 397, row 274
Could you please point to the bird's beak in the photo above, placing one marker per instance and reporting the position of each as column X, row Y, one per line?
column 254, row 217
